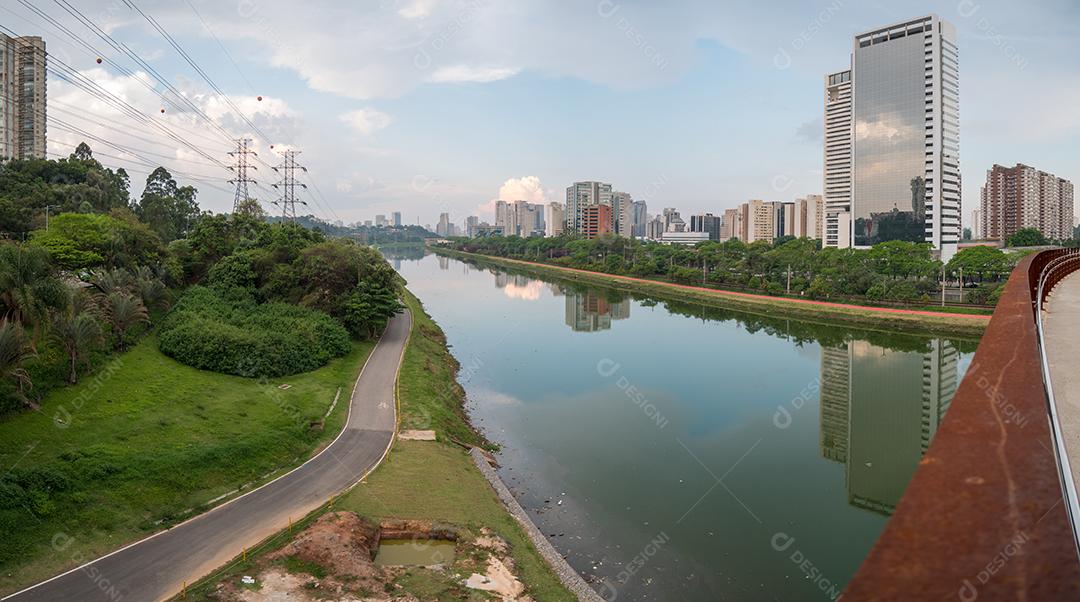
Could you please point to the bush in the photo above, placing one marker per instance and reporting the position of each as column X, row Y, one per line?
column 232, row 334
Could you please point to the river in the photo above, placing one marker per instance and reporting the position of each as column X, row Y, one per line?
column 673, row 451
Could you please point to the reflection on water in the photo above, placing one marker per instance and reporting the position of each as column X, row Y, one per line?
column 665, row 427
column 590, row 312
column 868, row 421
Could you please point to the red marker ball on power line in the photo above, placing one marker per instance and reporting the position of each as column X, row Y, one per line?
column 99, row 60
column 162, row 110
column 259, row 98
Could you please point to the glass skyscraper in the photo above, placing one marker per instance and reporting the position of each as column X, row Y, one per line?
column 904, row 133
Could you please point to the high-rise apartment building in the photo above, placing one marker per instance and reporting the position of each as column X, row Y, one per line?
column 580, row 195
column 596, row 221
column 905, row 137
column 1024, row 197
column 732, row 226
column 22, row 97
column 520, row 218
column 809, row 217
column 472, row 226
column 760, row 220
column 443, row 227
column 837, row 156
column 622, row 212
column 396, row 218
column 977, row 224
column 380, row 221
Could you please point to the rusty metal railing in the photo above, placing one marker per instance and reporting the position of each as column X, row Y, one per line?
column 986, row 515
column 1057, row 266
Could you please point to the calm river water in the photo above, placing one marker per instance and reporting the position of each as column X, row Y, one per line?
column 676, row 452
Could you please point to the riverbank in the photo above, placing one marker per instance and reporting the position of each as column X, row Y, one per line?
column 875, row 318
column 147, row 443
column 434, row 481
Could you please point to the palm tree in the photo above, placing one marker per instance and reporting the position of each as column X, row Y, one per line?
column 123, row 311
column 151, row 289
column 111, row 281
column 77, row 331
column 27, row 285
column 15, row 351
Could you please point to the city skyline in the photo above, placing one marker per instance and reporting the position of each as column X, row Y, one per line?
column 763, row 141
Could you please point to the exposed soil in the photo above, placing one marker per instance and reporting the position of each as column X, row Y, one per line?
column 332, row 560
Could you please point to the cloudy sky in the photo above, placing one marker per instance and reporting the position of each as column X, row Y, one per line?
column 426, row 106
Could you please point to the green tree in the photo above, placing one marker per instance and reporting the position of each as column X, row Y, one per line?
column 1027, row 237
column 169, row 209
column 28, row 287
column 77, row 331
column 124, row 311
column 369, row 308
column 15, row 351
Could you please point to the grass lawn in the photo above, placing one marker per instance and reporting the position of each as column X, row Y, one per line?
column 145, row 443
column 428, row 480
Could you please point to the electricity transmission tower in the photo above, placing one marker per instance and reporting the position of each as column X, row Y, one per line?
column 288, row 185
column 241, row 170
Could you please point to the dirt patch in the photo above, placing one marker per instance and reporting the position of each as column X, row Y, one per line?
column 332, row 560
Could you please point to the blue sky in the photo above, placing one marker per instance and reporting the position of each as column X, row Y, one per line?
column 426, row 106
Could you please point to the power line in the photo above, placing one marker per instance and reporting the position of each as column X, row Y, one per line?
column 288, row 185
column 241, row 170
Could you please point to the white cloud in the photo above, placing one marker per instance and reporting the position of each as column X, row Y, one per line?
column 367, row 121
column 417, row 9
column 465, row 73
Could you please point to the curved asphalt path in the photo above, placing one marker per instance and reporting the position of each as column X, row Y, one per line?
column 157, row 567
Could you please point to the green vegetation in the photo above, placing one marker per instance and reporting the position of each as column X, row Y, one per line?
column 1027, row 237
column 424, row 480
column 238, row 336
column 145, row 443
column 895, row 272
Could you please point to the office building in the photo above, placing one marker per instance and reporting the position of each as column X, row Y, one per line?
column 654, row 228
column 580, row 195
column 1024, row 197
column 443, row 228
column 472, row 224
column 555, row 219
column 809, row 217
column 785, row 219
column 640, row 217
column 595, row 221
column 396, row 218
column 903, row 125
column 684, row 238
column 22, row 97
column 673, row 222
column 380, row 221
column 708, row 223
column 977, row 224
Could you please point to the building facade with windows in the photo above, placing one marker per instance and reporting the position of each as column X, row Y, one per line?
column 1024, row 197
column 22, row 97
column 904, row 134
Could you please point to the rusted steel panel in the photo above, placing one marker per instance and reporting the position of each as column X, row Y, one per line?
column 983, row 517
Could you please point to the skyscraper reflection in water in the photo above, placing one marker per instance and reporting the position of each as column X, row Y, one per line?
column 869, row 420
